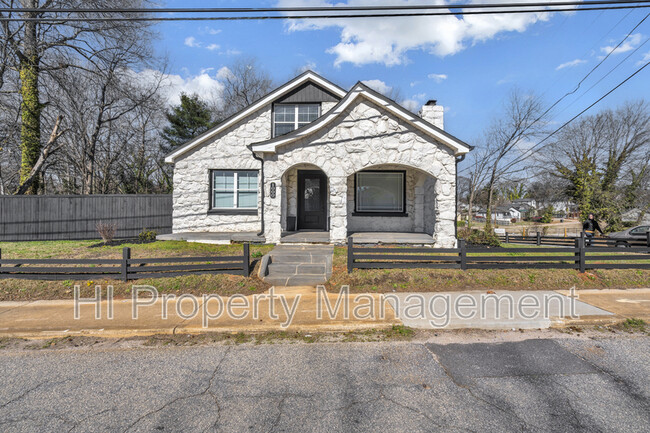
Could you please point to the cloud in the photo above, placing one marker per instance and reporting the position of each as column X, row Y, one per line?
column 210, row 30
column 630, row 43
column 224, row 73
column 438, row 78
column 644, row 59
column 411, row 104
column 207, row 86
column 309, row 66
column 191, row 41
column 213, row 47
column 387, row 41
column 378, row 86
column 571, row 64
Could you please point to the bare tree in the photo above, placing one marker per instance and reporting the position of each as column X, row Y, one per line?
column 244, row 83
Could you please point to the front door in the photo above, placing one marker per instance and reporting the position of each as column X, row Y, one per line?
column 312, row 200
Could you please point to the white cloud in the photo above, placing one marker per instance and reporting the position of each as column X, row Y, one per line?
column 309, row 66
column 387, row 41
column 630, row 43
column 211, row 30
column 411, row 104
column 414, row 83
column 213, row 47
column 207, row 86
column 644, row 59
column 438, row 78
column 571, row 64
column 191, row 41
column 224, row 73
column 379, row 86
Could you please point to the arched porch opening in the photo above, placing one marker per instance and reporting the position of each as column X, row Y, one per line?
column 305, row 199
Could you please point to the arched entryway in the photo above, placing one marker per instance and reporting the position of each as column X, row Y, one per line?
column 305, row 204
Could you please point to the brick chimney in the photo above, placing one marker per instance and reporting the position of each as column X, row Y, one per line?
column 433, row 113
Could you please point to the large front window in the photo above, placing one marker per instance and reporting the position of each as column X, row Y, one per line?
column 289, row 117
column 380, row 192
column 234, row 189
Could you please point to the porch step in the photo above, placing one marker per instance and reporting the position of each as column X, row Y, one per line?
column 307, row 265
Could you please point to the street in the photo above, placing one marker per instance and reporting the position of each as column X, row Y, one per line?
column 535, row 384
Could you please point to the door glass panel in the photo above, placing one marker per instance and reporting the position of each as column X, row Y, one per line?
column 312, row 195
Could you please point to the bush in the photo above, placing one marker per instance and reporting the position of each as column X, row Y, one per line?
column 106, row 231
column 147, row 235
column 547, row 217
column 479, row 237
column 461, row 224
column 513, row 220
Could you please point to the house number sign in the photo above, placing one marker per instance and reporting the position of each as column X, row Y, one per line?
column 272, row 190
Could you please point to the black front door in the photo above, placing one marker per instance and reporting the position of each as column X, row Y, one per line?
column 312, row 200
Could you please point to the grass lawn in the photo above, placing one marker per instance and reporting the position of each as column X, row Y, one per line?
column 442, row 280
column 361, row 280
column 14, row 289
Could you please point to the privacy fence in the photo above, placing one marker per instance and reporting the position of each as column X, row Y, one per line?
column 124, row 269
column 74, row 217
column 540, row 239
column 579, row 256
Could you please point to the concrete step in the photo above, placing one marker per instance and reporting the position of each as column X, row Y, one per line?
column 297, row 268
column 285, row 258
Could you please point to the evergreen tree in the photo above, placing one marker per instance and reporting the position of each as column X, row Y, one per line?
column 186, row 121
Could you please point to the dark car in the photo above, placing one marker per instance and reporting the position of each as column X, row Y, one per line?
column 635, row 236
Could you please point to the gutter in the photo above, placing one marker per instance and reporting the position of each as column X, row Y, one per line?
column 261, row 160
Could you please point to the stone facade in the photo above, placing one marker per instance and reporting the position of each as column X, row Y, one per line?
column 364, row 136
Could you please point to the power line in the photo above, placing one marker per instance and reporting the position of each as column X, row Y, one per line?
column 322, row 8
column 308, row 17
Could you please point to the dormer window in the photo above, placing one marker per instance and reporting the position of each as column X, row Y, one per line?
column 289, row 117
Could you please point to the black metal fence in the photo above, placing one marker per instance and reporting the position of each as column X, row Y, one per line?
column 579, row 256
column 540, row 239
column 75, row 217
column 124, row 269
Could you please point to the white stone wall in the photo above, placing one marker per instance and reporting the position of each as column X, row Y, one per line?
column 366, row 136
column 191, row 176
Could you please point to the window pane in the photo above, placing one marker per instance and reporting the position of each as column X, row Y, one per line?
column 247, row 180
column 247, row 199
column 224, row 200
column 380, row 192
column 285, row 113
column 224, row 180
column 307, row 113
column 283, row 128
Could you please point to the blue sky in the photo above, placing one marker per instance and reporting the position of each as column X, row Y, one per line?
column 469, row 67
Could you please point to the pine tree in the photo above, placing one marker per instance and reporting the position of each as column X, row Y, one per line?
column 188, row 120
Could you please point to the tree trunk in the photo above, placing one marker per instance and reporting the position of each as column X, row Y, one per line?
column 30, row 133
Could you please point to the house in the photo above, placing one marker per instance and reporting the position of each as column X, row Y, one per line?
column 502, row 214
column 311, row 156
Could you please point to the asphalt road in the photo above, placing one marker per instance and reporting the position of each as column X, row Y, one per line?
column 544, row 385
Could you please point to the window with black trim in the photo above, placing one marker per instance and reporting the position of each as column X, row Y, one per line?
column 380, row 192
column 289, row 117
column 234, row 189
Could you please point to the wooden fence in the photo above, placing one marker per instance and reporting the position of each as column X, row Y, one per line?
column 74, row 217
column 578, row 257
column 124, row 269
column 539, row 239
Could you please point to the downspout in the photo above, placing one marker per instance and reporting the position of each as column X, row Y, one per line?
column 261, row 160
column 459, row 159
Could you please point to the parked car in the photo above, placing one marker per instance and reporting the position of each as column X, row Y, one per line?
column 635, row 236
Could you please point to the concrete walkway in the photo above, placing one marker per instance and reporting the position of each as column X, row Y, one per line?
column 298, row 265
column 296, row 309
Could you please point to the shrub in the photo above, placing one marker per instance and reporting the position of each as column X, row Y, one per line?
column 479, row 237
column 147, row 235
column 461, row 223
column 106, row 231
column 547, row 217
column 513, row 220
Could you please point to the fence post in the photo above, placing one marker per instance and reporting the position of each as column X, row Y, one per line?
column 463, row 254
column 539, row 239
column 507, row 238
column 246, row 269
column 0, row 259
column 647, row 237
column 126, row 256
column 580, row 244
column 350, row 254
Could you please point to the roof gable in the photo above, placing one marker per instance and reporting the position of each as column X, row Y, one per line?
column 290, row 89
column 361, row 90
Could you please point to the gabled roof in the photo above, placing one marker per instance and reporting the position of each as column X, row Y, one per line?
column 269, row 98
column 361, row 90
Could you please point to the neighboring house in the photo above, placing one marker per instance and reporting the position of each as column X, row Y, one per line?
column 500, row 213
column 311, row 156
column 530, row 202
column 634, row 216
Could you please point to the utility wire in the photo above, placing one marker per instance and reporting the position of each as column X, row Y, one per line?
column 322, row 8
column 308, row 17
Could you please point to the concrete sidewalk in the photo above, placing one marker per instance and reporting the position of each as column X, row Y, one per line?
column 44, row 319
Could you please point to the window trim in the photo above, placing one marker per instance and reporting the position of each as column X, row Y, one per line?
column 296, row 123
column 231, row 211
column 403, row 213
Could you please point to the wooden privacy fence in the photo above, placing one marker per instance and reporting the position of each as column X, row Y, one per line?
column 578, row 257
column 74, row 217
column 124, row 269
column 539, row 239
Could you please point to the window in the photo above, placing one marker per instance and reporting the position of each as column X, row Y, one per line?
column 288, row 118
column 234, row 189
column 380, row 192
column 640, row 231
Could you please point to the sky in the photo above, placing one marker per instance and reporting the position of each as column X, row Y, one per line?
column 468, row 64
